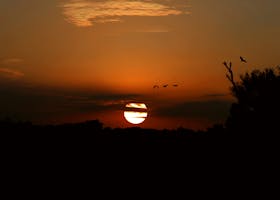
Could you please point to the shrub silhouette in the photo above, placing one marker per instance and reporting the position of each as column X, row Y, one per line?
column 258, row 102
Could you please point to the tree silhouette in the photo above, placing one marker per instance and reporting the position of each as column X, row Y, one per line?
column 258, row 102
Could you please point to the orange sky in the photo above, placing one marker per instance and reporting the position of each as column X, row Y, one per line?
column 107, row 52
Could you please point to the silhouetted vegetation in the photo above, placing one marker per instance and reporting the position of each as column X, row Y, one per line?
column 92, row 134
column 257, row 108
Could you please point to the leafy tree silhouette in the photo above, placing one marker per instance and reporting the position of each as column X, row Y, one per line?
column 257, row 108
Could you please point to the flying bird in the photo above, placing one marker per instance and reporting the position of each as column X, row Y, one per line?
column 156, row 87
column 243, row 60
column 165, row 86
column 175, row 85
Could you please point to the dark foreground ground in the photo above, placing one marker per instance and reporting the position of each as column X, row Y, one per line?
column 84, row 154
column 91, row 137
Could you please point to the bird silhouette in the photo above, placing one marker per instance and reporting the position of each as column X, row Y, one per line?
column 165, row 86
column 242, row 59
column 175, row 85
column 156, row 87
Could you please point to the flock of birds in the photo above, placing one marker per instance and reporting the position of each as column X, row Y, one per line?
column 242, row 59
column 165, row 86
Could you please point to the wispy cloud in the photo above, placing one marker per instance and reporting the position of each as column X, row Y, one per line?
column 85, row 13
column 216, row 95
column 159, row 30
column 101, row 100
column 213, row 110
column 47, row 104
column 12, row 61
column 10, row 73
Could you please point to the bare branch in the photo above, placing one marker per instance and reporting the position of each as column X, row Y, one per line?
column 230, row 75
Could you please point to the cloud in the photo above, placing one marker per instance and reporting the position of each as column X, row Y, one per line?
column 12, row 61
column 84, row 13
column 159, row 30
column 10, row 73
column 212, row 110
column 26, row 101
column 100, row 102
column 217, row 95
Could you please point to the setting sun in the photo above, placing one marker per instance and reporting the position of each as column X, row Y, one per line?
column 133, row 116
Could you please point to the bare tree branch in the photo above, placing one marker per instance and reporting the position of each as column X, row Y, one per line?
column 230, row 75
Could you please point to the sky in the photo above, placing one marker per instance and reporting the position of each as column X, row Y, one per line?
column 75, row 60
